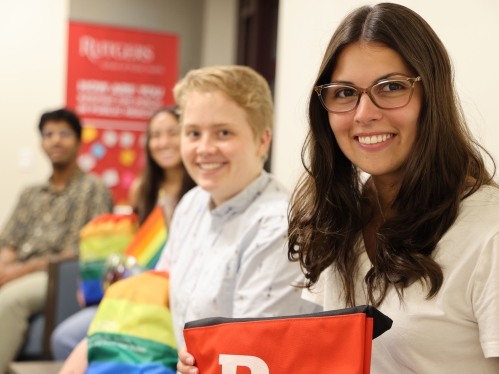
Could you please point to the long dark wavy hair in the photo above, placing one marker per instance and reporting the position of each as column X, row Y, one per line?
column 153, row 175
column 444, row 167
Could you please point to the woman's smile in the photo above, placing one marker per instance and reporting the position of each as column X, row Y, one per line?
column 378, row 141
column 373, row 139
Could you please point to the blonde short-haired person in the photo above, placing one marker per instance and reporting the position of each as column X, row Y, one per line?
column 227, row 249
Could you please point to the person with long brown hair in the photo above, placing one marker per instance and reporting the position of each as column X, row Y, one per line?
column 397, row 208
column 163, row 182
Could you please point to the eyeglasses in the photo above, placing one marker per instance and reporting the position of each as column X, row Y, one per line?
column 386, row 94
column 62, row 133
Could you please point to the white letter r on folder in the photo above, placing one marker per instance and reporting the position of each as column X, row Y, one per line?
column 231, row 362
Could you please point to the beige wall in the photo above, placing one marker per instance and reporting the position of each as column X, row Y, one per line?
column 219, row 32
column 469, row 29
column 32, row 80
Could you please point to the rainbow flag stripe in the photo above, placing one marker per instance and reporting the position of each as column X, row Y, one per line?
column 148, row 242
column 104, row 235
column 132, row 332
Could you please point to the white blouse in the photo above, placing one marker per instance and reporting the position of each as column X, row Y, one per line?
column 231, row 261
column 456, row 331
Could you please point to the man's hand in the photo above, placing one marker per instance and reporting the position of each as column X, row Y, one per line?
column 17, row 270
column 80, row 298
column 10, row 272
column 8, row 268
column 7, row 256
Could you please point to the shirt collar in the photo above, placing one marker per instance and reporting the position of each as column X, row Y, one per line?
column 77, row 174
column 243, row 199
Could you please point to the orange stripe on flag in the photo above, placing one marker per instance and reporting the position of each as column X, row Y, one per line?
column 152, row 220
column 149, row 251
column 144, row 238
column 149, row 239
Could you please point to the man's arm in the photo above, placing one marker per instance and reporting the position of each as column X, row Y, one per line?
column 9, row 239
column 10, row 269
column 8, row 256
column 14, row 230
column 97, row 201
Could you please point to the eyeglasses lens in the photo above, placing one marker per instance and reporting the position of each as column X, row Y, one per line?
column 387, row 95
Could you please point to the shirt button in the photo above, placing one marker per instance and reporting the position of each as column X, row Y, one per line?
column 26, row 248
column 38, row 232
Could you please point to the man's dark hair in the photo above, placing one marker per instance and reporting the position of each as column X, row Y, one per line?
column 62, row 115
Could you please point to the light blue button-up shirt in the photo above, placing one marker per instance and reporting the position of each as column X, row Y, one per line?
column 231, row 261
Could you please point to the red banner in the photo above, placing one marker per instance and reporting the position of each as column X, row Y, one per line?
column 117, row 78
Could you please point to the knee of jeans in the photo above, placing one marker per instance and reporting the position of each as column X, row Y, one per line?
column 58, row 344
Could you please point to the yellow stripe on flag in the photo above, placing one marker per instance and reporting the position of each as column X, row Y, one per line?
column 134, row 319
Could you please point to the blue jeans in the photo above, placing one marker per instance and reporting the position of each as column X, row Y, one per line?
column 70, row 332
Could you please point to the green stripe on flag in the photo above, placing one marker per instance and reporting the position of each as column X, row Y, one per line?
column 153, row 261
column 92, row 269
column 129, row 349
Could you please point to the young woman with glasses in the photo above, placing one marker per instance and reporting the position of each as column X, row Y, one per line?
column 397, row 208
column 419, row 238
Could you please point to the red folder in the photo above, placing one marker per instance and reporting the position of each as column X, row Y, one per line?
column 337, row 341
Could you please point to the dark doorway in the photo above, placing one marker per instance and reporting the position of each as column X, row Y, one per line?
column 257, row 39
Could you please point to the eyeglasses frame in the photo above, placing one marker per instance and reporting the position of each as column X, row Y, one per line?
column 367, row 90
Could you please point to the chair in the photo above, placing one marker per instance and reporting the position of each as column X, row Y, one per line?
column 61, row 303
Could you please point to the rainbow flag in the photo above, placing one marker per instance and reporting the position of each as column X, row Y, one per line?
column 104, row 235
column 148, row 242
column 132, row 332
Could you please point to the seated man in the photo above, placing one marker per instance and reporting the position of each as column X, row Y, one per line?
column 45, row 225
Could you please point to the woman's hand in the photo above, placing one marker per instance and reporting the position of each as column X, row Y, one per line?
column 186, row 362
column 80, row 298
column 77, row 361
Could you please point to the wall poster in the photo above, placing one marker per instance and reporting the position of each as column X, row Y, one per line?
column 117, row 78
